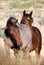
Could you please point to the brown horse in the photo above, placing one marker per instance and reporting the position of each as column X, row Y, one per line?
column 11, row 42
column 17, row 36
column 22, row 34
column 36, row 34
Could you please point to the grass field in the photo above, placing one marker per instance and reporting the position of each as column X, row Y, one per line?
column 15, row 8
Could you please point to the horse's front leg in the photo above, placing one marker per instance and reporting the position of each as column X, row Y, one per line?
column 15, row 52
column 7, row 49
column 8, row 45
column 27, row 50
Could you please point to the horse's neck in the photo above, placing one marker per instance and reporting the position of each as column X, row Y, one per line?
column 29, row 26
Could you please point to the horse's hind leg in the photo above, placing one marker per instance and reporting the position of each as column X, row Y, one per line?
column 15, row 52
column 38, row 49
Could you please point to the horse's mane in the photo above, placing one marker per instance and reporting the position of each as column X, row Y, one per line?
column 7, row 33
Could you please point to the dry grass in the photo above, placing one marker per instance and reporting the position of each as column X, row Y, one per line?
column 11, row 60
column 15, row 8
column 29, row 59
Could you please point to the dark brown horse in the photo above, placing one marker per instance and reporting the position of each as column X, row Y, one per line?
column 36, row 34
column 22, row 34
column 11, row 42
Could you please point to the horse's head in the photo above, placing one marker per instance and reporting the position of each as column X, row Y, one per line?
column 10, row 29
column 27, row 18
column 11, row 22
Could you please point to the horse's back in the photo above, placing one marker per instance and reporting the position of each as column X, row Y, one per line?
column 37, row 32
column 37, row 38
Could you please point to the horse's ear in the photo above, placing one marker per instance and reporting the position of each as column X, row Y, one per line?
column 31, row 13
column 24, row 12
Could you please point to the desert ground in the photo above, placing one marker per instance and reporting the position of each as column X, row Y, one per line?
column 15, row 8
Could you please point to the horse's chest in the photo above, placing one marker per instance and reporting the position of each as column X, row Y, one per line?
column 25, row 35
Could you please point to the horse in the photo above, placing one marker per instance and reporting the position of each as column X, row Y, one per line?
column 23, row 35
column 27, row 19
column 15, row 35
column 10, row 42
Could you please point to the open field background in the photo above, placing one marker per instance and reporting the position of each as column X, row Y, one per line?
column 15, row 8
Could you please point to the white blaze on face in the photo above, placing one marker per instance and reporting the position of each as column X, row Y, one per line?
column 25, row 35
column 28, row 18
